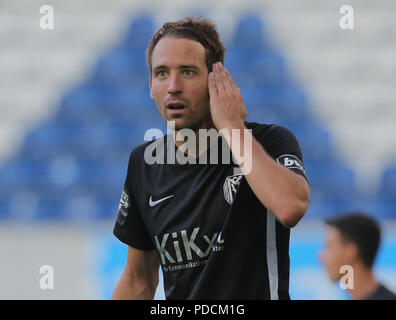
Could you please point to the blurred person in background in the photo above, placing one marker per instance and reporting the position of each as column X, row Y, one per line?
column 217, row 231
column 353, row 240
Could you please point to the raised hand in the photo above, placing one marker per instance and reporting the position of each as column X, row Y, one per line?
column 226, row 104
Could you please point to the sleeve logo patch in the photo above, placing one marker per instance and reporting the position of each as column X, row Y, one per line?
column 124, row 202
column 291, row 162
column 123, row 208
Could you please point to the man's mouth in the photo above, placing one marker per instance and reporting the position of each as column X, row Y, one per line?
column 176, row 108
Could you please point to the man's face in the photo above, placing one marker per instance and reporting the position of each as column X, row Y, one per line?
column 336, row 253
column 179, row 82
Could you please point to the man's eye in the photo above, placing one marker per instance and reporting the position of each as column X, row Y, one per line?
column 188, row 72
column 161, row 73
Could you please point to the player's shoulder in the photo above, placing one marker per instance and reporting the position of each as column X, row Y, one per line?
column 137, row 153
column 275, row 138
column 382, row 293
column 269, row 131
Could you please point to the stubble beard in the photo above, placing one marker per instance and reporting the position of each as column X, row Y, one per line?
column 204, row 122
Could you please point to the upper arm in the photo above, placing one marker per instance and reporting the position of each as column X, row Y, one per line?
column 130, row 227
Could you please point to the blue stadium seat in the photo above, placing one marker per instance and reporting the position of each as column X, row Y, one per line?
column 330, row 208
column 323, row 209
column 256, row 68
column 250, row 34
column 388, row 184
column 15, row 177
column 52, row 141
column 127, row 104
column 379, row 210
column 387, row 209
column 4, row 210
column 276, row 104
column 331, row 180
column 90, row 180
column 122, row 68
column 50, row 211
column 103, row 143
column 269, row 69
column 46, row 181
column 108, row 209
column 314, row 141
column 102, row 181
column 139, row 33
column 84, row 105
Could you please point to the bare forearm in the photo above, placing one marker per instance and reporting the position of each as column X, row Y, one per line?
column 129, row 288
column 281, row 191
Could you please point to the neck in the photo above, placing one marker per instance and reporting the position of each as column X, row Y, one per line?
column 195, row 147
column 364, row 282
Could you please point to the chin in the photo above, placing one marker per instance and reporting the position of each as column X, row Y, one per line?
column 182, row 124
column 335, row 277
column 187, row 123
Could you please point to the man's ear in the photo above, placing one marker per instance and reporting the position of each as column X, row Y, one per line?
column 352, row 252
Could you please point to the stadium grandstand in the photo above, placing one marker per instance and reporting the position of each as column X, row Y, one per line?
column 74, row 102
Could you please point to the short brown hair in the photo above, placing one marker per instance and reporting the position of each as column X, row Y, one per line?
column 362, row 230
column 202, row 31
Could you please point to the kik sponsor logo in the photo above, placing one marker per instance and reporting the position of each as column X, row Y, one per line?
column 181, row 247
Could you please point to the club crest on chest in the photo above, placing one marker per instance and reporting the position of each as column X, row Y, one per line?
column 230, row 187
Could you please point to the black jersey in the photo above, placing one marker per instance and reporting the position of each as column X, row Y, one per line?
column 382, row 293
column 215, row 239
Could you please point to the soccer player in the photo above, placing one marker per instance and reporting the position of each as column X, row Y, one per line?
column 353, row 240
column 218, row 230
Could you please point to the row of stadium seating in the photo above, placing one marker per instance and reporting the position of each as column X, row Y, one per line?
column 61, row 173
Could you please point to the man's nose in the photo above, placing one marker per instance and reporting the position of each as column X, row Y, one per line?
column 175, row 84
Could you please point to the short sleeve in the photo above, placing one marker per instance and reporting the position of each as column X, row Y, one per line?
column 130, row 227
column 282, row 145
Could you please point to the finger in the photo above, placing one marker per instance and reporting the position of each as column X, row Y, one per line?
column 218, row 80
column 219, row 77
column 229, row 83
column 212, row 84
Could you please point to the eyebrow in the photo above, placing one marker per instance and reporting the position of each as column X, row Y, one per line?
column 183, row 66
column 189, row 66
